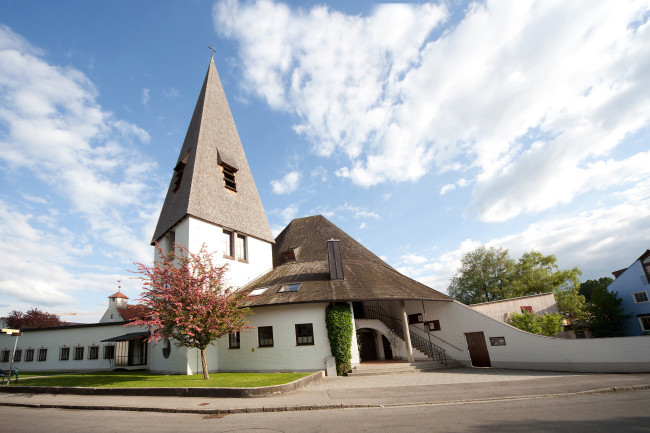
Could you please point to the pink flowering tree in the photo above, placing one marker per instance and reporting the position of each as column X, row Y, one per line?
column 184, row 298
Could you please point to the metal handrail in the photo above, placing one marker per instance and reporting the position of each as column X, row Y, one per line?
column 435, row 336
column 395, row 325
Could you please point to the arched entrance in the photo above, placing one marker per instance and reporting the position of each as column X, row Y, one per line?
column 374, row 345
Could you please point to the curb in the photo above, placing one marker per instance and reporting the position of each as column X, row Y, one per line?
column 627, row 388
column 263, row 391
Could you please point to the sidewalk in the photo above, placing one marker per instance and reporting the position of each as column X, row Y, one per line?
column 444, row 387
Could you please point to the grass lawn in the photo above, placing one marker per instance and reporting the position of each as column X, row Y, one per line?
column 38, row 373
column 142, row 379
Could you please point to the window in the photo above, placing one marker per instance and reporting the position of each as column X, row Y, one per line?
column 171, row 240
column 228, row 249
column 178, row 172
column 18, row 354
column 432, row 325
column 527, row 308
column 229, row 176
column 289, row 287
column 64, row 355
column 42, row 354
column 289, row 256
column 257, row 292
column 233, row 340
column 78, row 353
column 109, row 352
column 414, row 318
column 645, row 322
column 242, row 253
column 304, row 334
column 640, row 297
column 5, row 356
column 265, row 336
column 29, row 355
column 93, row 352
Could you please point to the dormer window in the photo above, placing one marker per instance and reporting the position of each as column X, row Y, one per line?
column 257, row 292
column 178, row 173
column 290, row 287
column 229, row 176
column 289, row 256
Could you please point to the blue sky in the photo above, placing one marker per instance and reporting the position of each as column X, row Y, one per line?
column 423, row 130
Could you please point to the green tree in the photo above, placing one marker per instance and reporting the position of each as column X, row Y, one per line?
column 605, row 316
column 490, row 274
column 484, row 276
column 588, row 286
column 545, row 324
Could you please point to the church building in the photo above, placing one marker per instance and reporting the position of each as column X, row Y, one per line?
column 212, row 200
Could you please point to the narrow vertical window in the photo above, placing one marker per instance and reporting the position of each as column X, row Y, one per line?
column 233, row 340
column 42, row 354
column 64, row 355
column 171, row 240
column 109, row 352
column 5, row 356
column 78, row 353
column 93, row 353
column 29, row 355
column 18, row 354
column 229, row 176
column 228, row 248
column 242, row 251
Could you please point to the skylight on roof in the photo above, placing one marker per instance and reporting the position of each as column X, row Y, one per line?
column 258, row 292
column 290, row 287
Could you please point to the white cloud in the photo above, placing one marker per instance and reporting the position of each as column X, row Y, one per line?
column 446, row 188
column 589, row 240
column 289, row 213
column 414, row 259
column 145, row 96
column 172, row 92
column 57, row 139
column 320, row 173
column 288, row 184
column 531, row 98
column 363, row 225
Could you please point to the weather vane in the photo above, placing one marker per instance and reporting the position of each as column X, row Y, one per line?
column 212, row 49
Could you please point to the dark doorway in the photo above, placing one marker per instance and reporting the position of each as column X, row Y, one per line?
column 388, row 353
column 368, row 347
column 478, row 352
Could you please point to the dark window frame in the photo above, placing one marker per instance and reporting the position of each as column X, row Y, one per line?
column 109, row 352
column 289, row 256
column 78, row 353
column 642, row 318
column 265, row 340
column 18, row 355
column 289, row 287
column 234, row 340
column 4, row 356
column 29, row 355
column 642, row 298
column 304, row 331
column 42, row 354
column 64, row 354
column 93, row 352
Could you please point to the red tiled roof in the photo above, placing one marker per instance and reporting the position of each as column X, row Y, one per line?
column 131, row 312
column 119, row 294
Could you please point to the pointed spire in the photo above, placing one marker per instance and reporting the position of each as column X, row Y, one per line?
column 212, row 180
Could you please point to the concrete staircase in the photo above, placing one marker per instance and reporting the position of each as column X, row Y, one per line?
column 375, row 368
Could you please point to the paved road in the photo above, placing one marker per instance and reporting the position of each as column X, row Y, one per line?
column 605, row 412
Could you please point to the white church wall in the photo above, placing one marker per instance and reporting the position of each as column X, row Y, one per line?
column 285, row 355
column 71, row 337
column 535, row 352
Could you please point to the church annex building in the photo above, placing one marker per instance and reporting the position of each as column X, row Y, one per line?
column 212, row 199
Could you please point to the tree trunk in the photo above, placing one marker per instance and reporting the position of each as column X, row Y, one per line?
column 204, row 364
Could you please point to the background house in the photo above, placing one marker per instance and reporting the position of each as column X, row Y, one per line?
column 632, row 285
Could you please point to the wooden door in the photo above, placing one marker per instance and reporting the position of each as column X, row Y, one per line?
column 478, row 352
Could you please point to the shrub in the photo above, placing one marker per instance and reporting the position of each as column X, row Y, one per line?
column 338, row 319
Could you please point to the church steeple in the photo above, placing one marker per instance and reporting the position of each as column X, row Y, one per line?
column 212, row 180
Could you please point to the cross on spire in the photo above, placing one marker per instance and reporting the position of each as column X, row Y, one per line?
column 212, row 49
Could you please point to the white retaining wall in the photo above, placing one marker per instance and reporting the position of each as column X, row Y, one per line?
column 528, row 351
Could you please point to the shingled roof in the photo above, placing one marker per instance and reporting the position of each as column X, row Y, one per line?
column 366, row 276
column 197, row 187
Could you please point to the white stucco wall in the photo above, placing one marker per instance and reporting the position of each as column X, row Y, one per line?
column 72, row 337
column 181, row 360
column 193, row 233
column 528, row 351
column 499, row 310
column 285, row 355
